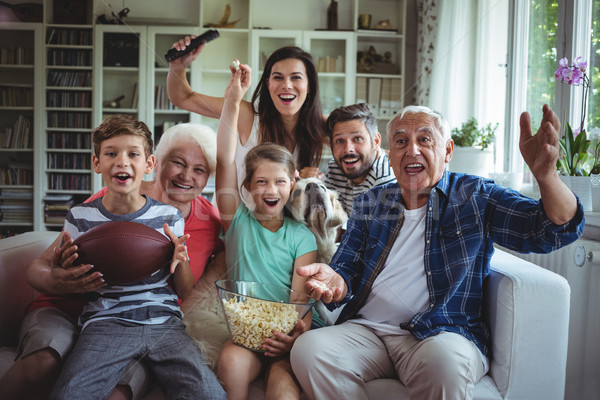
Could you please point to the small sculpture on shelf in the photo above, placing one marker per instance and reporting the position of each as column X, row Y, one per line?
column 224, row 21
column 332, row 16
column 373, row 62
column 116, row 103
column 384, row 25
column 113, row 19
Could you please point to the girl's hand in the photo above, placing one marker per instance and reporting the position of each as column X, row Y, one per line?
column 180, row 252
column 239, row 83
column 186, row 60
column 311, row 172
column 282, row 343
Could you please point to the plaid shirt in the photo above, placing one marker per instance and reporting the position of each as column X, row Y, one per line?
column 466, row 215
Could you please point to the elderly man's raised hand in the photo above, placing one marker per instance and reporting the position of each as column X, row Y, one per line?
column 324, row 283
column 540, row 151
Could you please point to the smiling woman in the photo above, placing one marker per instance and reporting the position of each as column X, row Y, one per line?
column 285, row 108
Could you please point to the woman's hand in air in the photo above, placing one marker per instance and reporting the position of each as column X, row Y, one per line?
column 186, row 60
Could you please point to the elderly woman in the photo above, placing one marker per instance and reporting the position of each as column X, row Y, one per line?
column 186, row 156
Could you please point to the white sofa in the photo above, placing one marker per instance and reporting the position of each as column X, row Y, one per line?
column 527, row 308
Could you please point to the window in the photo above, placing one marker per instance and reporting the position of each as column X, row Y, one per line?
column 593, row 116
column 540, row 33
column 541, row 56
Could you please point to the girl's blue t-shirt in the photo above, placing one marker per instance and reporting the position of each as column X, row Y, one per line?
column 254, row 253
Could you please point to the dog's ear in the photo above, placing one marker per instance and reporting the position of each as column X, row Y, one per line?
column 339, row 216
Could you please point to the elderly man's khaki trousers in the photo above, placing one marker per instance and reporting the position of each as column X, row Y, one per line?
column 335, row 362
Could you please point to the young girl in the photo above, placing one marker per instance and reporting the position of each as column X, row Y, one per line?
column 261, row 245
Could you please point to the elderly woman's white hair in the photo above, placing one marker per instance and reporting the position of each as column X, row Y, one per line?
column 199, row 134
column 439, row 120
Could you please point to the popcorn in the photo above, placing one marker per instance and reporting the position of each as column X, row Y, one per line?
column 320, row 285
column 251, row 320
column 235, row 64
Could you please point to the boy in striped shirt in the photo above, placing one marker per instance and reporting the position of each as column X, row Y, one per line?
column 141, row 321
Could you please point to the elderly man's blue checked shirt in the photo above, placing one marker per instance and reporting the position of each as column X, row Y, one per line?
column 466, row 215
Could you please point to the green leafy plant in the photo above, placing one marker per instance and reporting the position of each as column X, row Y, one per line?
column 574, row 159
column 471, row 135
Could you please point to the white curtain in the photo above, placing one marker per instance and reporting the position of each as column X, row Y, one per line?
column 468, row 71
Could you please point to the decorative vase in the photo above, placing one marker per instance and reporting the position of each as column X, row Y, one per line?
column 472, row 160
column 332, row 16
column 582, row 187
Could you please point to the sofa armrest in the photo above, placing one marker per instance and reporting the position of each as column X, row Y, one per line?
column 528, row 311
column 16, row 253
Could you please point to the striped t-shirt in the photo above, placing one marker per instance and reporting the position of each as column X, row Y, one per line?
column 379, row 174
column 150, row 301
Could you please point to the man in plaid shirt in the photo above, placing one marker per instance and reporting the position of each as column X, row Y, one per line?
column 411, row 266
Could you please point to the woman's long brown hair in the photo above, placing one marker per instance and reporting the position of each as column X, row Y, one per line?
column 310, row 128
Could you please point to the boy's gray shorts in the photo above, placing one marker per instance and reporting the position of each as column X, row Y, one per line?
column 56, row 329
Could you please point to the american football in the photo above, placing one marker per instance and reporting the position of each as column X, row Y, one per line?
column 125, row 252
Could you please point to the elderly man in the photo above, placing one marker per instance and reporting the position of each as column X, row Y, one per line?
column 412, row 265
column 358, row 162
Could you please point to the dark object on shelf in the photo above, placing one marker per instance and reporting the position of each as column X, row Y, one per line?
column 364, row 21
column 121, row 50
column 114, row 19
column 26, row 12
column 206, row 37
column 224, row 22
column 332, row 16
column 372, row 62
column 70, row 12
column 116, row 103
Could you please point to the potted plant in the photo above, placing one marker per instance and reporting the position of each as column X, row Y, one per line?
column 576, row 162
column 470, row 135
column 472, row 148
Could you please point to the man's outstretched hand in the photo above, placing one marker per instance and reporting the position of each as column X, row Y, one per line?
column 540, row 151
column 324, row 283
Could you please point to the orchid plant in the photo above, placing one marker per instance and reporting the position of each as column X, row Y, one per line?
column 575, row 159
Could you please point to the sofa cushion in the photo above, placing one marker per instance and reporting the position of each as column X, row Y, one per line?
column 14, row 289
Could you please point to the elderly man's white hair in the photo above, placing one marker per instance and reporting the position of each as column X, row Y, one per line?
column 439, row 121
column 200, row 134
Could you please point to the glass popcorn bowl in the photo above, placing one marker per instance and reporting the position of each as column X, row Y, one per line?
column 254, row 310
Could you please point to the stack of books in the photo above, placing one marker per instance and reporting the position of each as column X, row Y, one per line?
column 56, row 207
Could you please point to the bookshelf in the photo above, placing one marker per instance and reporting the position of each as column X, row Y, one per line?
column 68, row 108
column 65, row 75
column 19, row 117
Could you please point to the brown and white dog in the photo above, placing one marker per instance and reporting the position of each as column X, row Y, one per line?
column 312, row 204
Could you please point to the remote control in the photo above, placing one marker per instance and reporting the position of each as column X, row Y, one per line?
column 207, row 36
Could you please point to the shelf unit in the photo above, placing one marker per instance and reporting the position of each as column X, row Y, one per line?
column 69, row 106
column 62, row 113
column 20, row 50
column 131, row 70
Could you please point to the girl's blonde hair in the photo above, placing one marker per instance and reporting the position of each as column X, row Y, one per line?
column 271, row 152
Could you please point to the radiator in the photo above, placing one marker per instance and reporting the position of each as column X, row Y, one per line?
column 579, row 263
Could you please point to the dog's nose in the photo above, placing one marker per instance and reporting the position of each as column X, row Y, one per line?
column 312, row 187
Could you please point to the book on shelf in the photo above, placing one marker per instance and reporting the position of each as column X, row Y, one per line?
column 58, row 198
column 134, row 96
column 19, row 136
column 16, row 193
column 361, row 90
column 374, row 94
